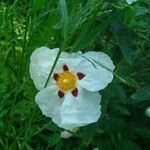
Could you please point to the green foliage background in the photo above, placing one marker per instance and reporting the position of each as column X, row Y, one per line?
column 111, row 26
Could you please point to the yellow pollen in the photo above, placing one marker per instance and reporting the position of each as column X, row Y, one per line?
column 66, row 81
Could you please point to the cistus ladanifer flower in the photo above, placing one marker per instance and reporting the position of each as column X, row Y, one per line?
column 71, row 97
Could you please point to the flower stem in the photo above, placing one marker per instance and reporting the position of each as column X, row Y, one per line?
column 54, row 64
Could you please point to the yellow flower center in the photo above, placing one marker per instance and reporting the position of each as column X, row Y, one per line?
column 66, row 81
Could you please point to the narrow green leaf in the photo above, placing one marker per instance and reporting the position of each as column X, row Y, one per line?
column 124, row 145
column 132, row 12
column 42, row 128
column 123, row 40
column 64, row 13
column 37, row 5
column 53, row 67
column 142, row 94
column 120, row 93
column 54, row 140
column 83, row 41
column 123, row 110
column 143, row 132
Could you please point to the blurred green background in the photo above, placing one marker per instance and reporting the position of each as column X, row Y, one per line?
column 111, row 26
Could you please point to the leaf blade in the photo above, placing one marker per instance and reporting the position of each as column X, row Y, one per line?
column 90, row 36
column 64, row 12
column 142, row 94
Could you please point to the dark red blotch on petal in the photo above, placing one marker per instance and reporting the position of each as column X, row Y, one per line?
column 80, row 75
column 61, row 94
column 65, row 68
column 75, row 92
column 55, row 76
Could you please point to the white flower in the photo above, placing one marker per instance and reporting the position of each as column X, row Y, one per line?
column 71, row 97
column 130, row 1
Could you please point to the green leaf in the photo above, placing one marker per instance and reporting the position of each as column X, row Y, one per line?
column 84, row 40
column 64, row 13
column 123, row 40
column 37, row 5
column 144, row 131
column 128, row 145
column 42, row 128
column 120, row 93
column 123, row 110
column 131, row 12
column 54, row 140
column 142, row 94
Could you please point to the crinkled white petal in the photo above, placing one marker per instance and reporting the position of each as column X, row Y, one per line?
column 49, row 103
column 130, row 1
column 100, row 58
column 96, row 80
column 42, row 60
column 70, row 62
column 81, row 110
column 70, row 112
column 99, row 78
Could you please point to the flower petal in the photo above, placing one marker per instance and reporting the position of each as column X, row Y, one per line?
column 98, row 78
column 81, row 110
column 101, row 58
column 49, row 103
column 42, row 60
column 71, row 64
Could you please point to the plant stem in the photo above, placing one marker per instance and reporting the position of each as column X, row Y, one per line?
column 55, row 62
column 13, row 37
column 23, row 46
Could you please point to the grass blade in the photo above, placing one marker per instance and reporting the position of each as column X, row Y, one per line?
column 90, row 36
column 64, row 13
